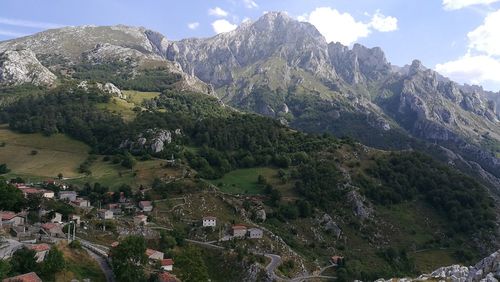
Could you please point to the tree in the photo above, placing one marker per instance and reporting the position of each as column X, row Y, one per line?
column 11, row 198
column 4, row 169
column 23, row 261
column 191, row 265
column 129, row 259
column 4, row 269
column 54, row 262
column 60, row 176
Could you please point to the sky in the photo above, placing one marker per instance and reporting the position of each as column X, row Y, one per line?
column 458, row 38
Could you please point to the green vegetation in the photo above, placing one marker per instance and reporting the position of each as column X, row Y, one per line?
column 458, row 197
column 11, row 198
column 129, row 259
column 244, row 181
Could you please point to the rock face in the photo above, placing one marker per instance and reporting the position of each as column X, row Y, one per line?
column 487, row 270
column 152, row 140
column 21, row 66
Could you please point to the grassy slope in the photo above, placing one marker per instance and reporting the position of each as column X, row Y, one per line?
column 79, row 266
column 125, row 107
column 56, row 154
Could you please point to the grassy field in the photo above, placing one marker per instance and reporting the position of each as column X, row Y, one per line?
column 55, row 154
column 114, row 175
column 79, row 265
column 244, row 181
column 137, row 97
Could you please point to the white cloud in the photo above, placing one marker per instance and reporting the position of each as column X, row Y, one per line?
column 217, row 12
column 486, row 37
column 220, row 26
column 384, row 23
column 344, row 28
column 481, row 63
column 193, row 25
column 472, row 69
column 336, row 26
column 11, row 33
column 250, row 4
column 459, row 4
column 31, row 24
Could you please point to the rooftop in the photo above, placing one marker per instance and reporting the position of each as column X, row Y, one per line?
column 28, row 277
column 39, row 247
column 167, row 262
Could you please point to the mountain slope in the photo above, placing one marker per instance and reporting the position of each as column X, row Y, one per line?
column 283, row 68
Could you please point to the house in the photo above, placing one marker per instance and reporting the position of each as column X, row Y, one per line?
column 41, row 250
column 115, row 244
column 47, row 194
column 105, row 214
column 255, row 233
column 122, row 199
column 146, row 206
column 239, row 230
column 11, row 218
column 209, row 221
column 76, row 218
column 28, row 277
column 80, row 203
column 53, row 229
column 154, row 254
column 115, row 208
column 167, row 264
column 337, row 260
column 23, row 233
column 57, row 217
column 67, row 196
column 141, row 219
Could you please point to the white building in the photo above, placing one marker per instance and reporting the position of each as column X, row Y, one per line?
column 67, row 195
column 56, row 218
column 105, row 214
column 255, row 233
column 209, row 221
column 167, row 264
column 146, row 206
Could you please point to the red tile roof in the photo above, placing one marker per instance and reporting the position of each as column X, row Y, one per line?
column 167, row 262
column 48, row 226
column 39, row 247
column 115, row 244
column 239, row 227
column 8, row 215
column 28, row 277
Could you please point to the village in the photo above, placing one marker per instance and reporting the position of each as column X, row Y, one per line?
column 73, row 218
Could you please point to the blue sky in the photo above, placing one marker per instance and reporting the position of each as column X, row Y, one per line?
column 460, row 38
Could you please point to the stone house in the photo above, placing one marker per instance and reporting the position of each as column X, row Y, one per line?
column 239, row 230
column 154, row 254
column 255, row 233
column 146, row 206
column 209, row 221
column 105, row 214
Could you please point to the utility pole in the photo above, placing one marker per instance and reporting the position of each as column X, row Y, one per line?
column 74, row 230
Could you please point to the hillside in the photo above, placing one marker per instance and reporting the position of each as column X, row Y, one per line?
column 330, row 150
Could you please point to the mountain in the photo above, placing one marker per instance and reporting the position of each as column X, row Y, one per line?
column 283, row 68
column 179, row 117
column 124, row 51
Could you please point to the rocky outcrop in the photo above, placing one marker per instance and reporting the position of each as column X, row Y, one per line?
column 326, row 221
column 487, row 270
column 152, row 140
column 21, row 66
column 108, row 87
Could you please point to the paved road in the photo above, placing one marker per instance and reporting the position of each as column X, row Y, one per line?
column 103, row 263
column 8, row 247
column 271, row 267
